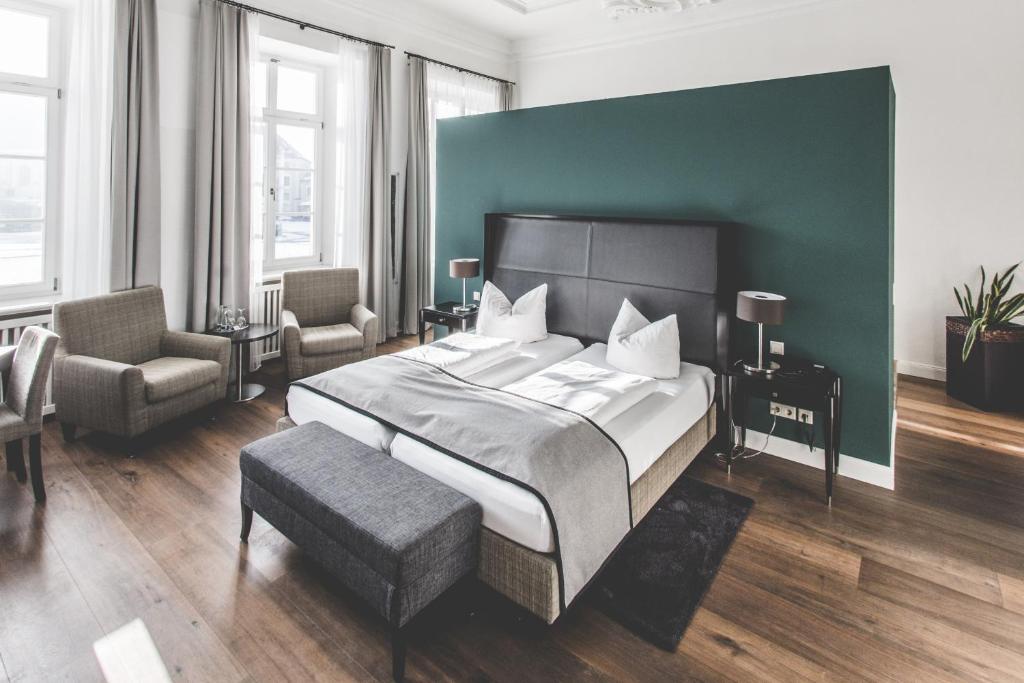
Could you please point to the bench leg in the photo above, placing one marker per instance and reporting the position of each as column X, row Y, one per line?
column 246, row 522
column 397, row 655
column 68, row 431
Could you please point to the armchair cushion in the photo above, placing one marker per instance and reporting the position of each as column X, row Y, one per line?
column 316, row 341
column 171, row 376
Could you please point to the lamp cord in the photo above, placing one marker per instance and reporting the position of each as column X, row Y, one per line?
column 775, row 421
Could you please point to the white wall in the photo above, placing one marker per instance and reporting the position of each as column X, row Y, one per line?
column 402, row 23
column 958, row 70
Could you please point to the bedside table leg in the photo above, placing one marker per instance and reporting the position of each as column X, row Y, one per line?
column 830, row 454
column 422, row 329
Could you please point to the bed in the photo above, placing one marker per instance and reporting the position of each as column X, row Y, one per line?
column 590, row 265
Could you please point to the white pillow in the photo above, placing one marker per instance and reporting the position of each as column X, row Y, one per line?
column 642, row 347
column 524, row 321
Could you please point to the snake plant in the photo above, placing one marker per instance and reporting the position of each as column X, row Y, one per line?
column 990, row 308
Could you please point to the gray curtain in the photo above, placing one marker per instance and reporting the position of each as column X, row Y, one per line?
column 379, row 262
column 135, row 148
column 415, row 289
column 221, row 267
column 506, row 95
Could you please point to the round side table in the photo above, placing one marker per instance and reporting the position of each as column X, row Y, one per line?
column 239, row 338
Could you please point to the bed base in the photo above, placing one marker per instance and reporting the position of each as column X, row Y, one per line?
column 529, row 578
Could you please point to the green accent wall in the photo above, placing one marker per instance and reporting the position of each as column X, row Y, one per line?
column 804, row 164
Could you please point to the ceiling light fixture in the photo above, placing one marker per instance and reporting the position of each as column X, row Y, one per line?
column 619, row 8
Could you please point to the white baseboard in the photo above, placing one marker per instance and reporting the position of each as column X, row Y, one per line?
column 854, row 468
column 924, row 370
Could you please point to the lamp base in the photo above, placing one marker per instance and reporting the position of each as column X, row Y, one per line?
column 766, row 371
column 469, row 308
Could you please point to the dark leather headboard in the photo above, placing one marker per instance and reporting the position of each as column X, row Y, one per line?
column 591, row 263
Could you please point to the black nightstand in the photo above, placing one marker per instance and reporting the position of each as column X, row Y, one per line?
column 797, row 383
column 445, row 314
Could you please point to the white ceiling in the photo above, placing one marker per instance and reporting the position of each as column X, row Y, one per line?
column 526, row 22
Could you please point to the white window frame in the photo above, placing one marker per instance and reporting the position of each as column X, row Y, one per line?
column 272, row 117
column 50, row 87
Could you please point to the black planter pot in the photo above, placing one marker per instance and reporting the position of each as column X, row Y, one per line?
column 993, row 376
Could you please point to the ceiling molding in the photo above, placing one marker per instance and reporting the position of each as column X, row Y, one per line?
column 546, row 47
column 440, row 28
column 529, row 6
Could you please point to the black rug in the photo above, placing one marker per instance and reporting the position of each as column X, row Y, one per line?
column 657, row 579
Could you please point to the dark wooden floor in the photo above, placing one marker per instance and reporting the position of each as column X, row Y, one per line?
column 926, row 583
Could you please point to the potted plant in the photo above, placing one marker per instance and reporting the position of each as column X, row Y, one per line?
column 984, row 350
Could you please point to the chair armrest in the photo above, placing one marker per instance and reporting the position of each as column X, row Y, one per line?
column 97, row 381
column 289, row 329
column 365, row 320
column 195, row 345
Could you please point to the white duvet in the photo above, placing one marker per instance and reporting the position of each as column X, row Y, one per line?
column 600, row 394
column 462, row 353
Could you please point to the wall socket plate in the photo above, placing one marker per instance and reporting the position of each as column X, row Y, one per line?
column 782, row 410
column 476, row 296
column 777, row 348
column 805, row 416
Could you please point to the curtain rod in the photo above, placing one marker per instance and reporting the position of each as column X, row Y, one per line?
column 305, row 24
column 458, row 68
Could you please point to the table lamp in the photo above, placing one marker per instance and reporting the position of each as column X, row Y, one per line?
column 463, row 269
column 763, row 308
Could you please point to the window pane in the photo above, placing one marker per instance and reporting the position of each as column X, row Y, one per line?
column 24, row 43
column 295, row 146
column 22, row 188
column 260, row 87
column 296, row 90
column 21, row 253
column 24, row 124
column 294, row 191
column 293, row 236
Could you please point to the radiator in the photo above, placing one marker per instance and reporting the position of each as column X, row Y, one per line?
column 10, row 334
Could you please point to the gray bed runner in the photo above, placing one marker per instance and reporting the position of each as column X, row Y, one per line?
column 578, row 473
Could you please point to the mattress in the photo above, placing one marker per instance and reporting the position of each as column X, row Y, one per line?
column 307, row 406
column 644, row 432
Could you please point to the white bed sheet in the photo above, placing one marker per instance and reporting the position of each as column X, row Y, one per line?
column 643, row 432
column 307, row 406
column 527, row 359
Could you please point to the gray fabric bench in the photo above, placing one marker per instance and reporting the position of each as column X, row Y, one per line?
column 391, row 534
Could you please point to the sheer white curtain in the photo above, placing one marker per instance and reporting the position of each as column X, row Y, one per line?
column 350, row 190
column 85, row 238
column 257, row 129
column 454, row 93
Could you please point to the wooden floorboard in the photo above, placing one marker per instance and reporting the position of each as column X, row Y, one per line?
column 925, row 582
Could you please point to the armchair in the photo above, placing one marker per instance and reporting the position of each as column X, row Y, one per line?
column 118, row 369
column 323, row 325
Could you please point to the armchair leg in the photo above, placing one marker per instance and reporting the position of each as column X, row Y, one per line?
column 35, row 463
column 16, row 459
column 68, row 430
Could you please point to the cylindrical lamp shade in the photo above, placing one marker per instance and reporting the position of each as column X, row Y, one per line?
column 464, row 268
column 760, row 307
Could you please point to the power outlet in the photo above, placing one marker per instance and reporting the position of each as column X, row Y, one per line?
column 476, row 296
column 805, row 416
column 777, row 348
column 782, row 410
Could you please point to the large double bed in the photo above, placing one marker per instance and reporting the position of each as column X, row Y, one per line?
column 646, row 439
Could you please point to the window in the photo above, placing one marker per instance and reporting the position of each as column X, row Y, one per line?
column 29, row 149
column 288, row 162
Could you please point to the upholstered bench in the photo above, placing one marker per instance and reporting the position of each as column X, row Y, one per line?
column 390, row 533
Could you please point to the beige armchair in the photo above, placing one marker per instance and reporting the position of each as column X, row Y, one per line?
column 118, row 369
column 323, row 325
